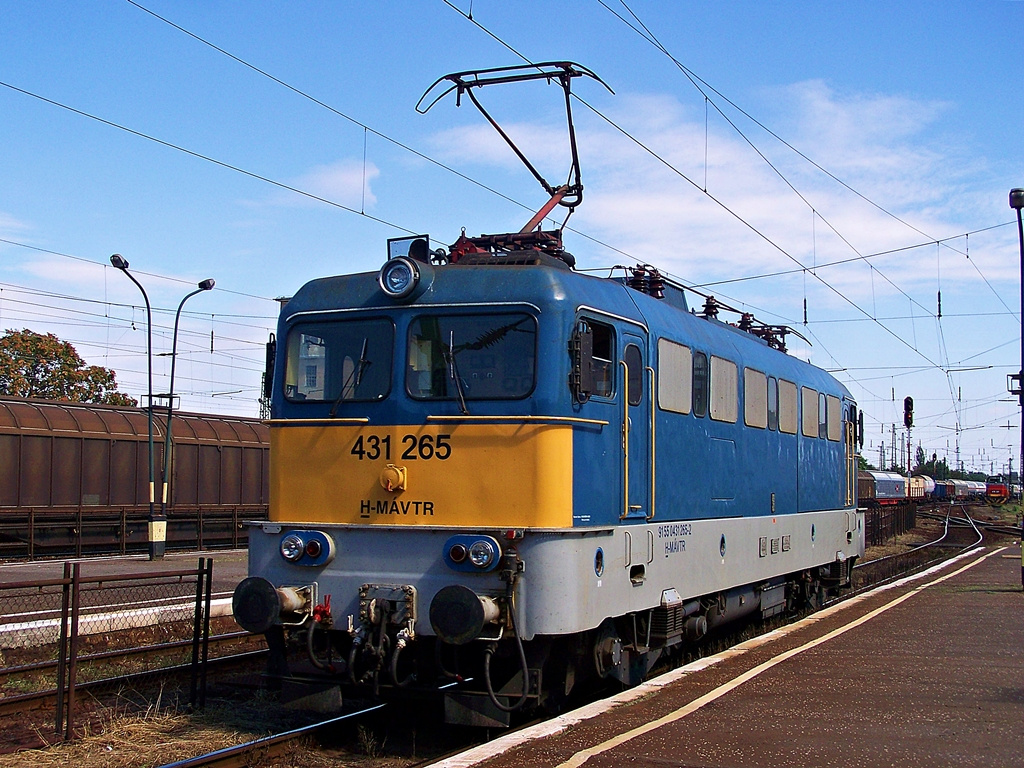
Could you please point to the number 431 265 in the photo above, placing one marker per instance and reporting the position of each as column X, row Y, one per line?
column 411, row 447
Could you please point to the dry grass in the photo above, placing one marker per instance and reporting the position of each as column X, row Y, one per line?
column 131, row 741
column 128, row 738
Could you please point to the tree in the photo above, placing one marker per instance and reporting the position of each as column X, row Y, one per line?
column 34, row 365
column 920, row 460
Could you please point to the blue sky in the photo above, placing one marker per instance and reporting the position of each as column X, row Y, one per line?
column 910, row 112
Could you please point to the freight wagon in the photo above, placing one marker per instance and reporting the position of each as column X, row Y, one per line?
column 74, row 478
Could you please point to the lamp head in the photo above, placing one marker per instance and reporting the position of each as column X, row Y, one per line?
column 119, row 261
column 207, row 284
column 1017, row 198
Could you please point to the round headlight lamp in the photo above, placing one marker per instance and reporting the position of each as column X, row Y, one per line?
column 292, row 547
column 481, row 553
column 399, row 277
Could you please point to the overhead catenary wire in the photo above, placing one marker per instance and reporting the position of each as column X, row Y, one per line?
column 702, row 188
column 657, row 156
column 816, row 266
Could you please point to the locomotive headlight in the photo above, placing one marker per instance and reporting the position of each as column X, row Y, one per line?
column 311, row 549
column 292, row 547
column 482, row 553
column 472, row 553
column 398, row 278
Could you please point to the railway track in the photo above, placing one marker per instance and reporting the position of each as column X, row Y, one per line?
column 960, row 530
column 954, row 530
column 241, row 755
column 44, row 698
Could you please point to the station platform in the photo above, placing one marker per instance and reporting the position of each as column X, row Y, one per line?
column 928, row 671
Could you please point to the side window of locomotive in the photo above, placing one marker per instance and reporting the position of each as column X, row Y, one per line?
column 755, row 398
column 336, row 361
column 787, row 407
column 809, row 412
column 634, row 373
column 724, row 390
column 601, row 362
column 773, row 404
column 480, row 357
column 822, row 416
column 675, row 378
column 834, row 410
column 700, row 384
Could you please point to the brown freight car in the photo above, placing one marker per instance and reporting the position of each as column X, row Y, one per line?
column 74, row 478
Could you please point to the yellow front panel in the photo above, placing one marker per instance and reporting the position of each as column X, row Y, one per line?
column 503, row 475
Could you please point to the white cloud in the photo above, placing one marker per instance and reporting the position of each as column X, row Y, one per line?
column 346, row 182
column 9, row 225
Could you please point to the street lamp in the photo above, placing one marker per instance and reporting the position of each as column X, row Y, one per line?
column 205, row 285
column 157, row 524
column 1017, row 202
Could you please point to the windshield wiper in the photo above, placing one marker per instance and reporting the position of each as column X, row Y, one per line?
column 453, row 371
column 353, row 380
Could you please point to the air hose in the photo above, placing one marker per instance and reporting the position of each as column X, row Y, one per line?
column 522, row 660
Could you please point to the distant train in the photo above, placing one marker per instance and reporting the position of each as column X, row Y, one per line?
column 74, row 477
column 890, row 487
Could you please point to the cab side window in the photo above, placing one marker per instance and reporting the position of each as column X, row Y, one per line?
column 634, row 373
column 700, row 384
column 592, row 352
column 601, row 363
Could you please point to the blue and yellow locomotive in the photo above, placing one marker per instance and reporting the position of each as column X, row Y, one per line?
column 489, row 468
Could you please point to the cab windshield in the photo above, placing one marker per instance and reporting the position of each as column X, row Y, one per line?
column 339, row 361
column 471, row 357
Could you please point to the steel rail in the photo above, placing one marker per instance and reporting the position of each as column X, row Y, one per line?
column 50, row 663
column 945, row 532
column 239, row 754
column 41, row 698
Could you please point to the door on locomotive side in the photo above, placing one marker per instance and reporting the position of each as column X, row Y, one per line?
column 637, row 415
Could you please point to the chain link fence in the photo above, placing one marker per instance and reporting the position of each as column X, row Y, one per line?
column 74, row 645
column 884, row 522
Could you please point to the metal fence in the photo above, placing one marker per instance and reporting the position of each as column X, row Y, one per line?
column 118, row 638
column 30, row 532
column 887, row 521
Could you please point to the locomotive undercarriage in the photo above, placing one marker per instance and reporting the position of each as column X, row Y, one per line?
column 481, row 681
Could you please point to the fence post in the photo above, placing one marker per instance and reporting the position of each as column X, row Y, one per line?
column 196, row 629
column 206, row 629
column 76, row 604
column 201, row 632
column 62, row 647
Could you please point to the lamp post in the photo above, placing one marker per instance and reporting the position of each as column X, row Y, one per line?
column 1017, row 202
column 157, row 524
column 205, row 285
